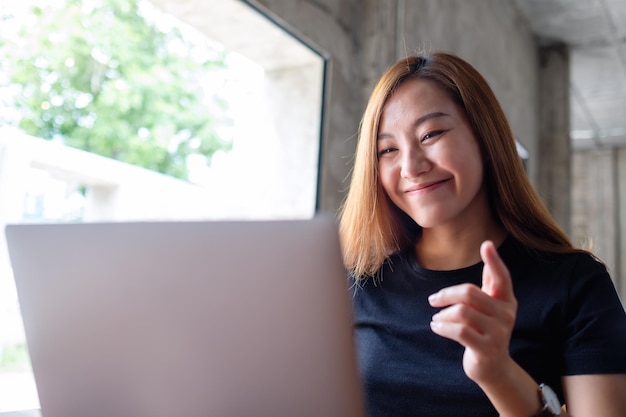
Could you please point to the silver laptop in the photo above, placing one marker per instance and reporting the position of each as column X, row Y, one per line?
column 161, row 319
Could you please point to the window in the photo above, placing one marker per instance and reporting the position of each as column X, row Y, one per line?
column 272, row 84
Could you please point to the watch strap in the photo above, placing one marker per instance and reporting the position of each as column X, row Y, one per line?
column 546, row 413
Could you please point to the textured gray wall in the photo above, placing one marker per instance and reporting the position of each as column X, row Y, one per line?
column 362, row 38
column 599, row 207
column 554, row 156
column 490, row 35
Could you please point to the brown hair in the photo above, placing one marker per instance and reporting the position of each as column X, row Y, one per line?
column 372, row 227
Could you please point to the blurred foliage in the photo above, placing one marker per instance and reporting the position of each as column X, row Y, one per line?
column 101, row 76
column 14, row 357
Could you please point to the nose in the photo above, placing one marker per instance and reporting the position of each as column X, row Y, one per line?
column 414, row 162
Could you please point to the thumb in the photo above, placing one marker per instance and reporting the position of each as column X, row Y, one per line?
column 496, row 277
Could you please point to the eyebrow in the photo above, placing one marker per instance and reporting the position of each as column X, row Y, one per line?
column 421, row 120
column 429, row 116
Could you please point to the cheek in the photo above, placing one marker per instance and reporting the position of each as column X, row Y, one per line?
column 470, row 165
column 387, row 177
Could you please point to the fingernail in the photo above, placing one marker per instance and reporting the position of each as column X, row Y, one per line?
column 433, row 297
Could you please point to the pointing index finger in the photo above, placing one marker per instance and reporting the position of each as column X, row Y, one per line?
column 496, row 277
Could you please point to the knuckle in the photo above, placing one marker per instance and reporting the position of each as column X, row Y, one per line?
column 462, row 311
column 464, row 332
column 510, row 318
column 469, row 290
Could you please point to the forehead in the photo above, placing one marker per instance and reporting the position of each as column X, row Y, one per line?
column 419, row 95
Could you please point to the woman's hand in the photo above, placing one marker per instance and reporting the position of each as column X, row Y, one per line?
column 481, row 319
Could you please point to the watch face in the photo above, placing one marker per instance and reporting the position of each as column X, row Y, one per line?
column 550, row 399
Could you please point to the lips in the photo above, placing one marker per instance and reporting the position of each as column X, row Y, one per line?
column 425, row 186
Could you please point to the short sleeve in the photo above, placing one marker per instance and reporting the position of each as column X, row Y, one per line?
column 595, row 328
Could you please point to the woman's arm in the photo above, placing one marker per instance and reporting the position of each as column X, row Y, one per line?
column 482, row 320
column 585, row 395
column 595, row 395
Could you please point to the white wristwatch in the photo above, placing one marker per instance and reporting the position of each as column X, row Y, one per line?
column 550, row 402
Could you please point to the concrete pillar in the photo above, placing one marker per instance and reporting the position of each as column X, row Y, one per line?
column 620, row 243
column 596, row 216
column 554, row 156
column 378, row 45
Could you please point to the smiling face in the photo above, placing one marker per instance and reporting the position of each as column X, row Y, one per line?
column 429, row 160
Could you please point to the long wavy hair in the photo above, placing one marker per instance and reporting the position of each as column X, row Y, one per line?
column 372, row 227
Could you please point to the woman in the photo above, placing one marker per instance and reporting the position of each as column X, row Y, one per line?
column 468, row 298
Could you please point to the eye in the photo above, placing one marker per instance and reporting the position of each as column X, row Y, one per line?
column 385, row 151
column 432, row 134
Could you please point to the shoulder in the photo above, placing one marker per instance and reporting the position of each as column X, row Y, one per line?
column 525, row 261
column 572, row 284
column 394, row 265
column 570, row 300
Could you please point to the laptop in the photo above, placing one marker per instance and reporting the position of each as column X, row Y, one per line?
column 156, row 319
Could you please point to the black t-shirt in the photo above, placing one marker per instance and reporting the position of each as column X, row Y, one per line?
column 570, row 321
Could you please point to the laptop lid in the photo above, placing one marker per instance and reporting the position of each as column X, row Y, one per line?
column 149, row 319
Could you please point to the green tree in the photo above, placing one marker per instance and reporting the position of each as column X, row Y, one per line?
column 100, row 75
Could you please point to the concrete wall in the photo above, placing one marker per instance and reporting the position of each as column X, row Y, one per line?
column 599, row 207
column 491, row 36
column 362, row 38
column 553, row 158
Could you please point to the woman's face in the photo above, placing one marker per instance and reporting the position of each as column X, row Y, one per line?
column 428, row 158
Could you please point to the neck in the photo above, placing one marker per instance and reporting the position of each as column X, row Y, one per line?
column 448, row 248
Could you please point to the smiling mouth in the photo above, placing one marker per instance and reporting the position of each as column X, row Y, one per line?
column 425, row 186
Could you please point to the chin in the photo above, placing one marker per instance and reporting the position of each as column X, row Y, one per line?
column 429, row 221
column 426, row 223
